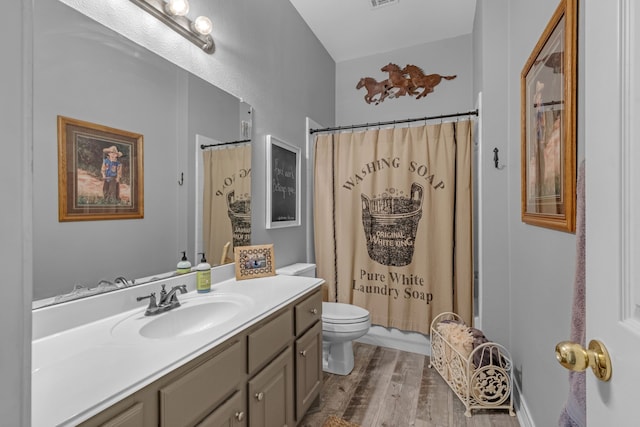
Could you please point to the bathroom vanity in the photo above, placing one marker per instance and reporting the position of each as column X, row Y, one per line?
column 258, row 364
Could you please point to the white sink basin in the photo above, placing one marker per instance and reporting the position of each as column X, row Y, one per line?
column 195, row 314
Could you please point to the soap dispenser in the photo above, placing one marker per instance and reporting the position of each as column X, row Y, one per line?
column 203, row 275
column 184, row 266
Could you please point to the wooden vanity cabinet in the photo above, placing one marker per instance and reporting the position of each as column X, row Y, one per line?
column 265, row 376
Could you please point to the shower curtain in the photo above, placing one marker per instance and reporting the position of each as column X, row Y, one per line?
column 392, row 222
column 226, row 202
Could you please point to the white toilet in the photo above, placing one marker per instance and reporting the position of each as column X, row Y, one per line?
column 341, row 325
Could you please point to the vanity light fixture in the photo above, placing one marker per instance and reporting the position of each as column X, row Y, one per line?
column 173, row 13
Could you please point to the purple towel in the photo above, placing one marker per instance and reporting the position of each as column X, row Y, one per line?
column 574, row 413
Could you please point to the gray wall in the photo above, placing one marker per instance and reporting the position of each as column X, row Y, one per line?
column 445, row 57
column 15, row 227
column 528, row 272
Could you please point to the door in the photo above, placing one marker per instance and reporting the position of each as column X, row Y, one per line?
column 612, row 150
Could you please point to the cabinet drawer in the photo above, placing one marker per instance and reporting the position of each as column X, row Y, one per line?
column 266, row 342
column 196, row 393
column 308, row 312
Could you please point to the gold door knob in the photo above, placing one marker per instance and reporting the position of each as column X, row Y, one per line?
column 574, row 357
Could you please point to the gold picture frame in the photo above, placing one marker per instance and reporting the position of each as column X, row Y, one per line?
column 254, row 261
column 100, row 172
column 548, row 124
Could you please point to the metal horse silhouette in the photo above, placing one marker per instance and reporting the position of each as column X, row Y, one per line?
column 374, row 88
column 401, row 81
column 420, row 80
column 397, row 80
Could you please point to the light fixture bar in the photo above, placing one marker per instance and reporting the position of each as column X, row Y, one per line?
column 180, row 24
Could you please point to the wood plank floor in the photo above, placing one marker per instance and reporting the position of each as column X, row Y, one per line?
column 392, row 388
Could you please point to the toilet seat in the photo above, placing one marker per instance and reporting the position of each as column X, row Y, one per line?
column 343, row 314
column 346, row 328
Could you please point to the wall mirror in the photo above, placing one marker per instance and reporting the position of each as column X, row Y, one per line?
column 88, row 72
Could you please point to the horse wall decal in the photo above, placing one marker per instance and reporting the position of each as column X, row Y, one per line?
column 401, row 81
column 420, row 80
column 397, row 80
column 374, row 88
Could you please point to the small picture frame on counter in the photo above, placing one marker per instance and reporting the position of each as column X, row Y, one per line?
column 254, row 261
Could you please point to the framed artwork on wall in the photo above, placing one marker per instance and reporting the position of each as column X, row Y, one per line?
column 254, row 261
column 548, row 124
column 283, row 184
column 100, row 172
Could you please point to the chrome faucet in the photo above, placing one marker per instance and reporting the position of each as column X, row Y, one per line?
column 153, row 307
column 122, row 281
column 168, row 300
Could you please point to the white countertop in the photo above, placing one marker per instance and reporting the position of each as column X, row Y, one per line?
column 79, row 371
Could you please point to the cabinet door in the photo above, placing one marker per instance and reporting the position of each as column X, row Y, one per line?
column 232, row 413
column 308, row 368
column 189, row 398
column 271, row 394
column 132, row 417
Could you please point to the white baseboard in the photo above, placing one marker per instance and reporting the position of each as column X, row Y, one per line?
column 522, row 411
column 413, row 342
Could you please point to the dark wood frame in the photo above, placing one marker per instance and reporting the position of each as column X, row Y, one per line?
column 548, row 124
column 82, row 143
column 245, row 255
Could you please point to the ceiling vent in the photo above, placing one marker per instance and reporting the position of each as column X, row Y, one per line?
column 380, row 3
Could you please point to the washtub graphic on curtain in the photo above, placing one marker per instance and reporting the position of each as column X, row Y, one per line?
column 390, row 225
column 392, row 221
column 239, row 211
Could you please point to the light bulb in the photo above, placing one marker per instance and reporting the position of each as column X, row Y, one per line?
column 202, row 25
column 177, row 7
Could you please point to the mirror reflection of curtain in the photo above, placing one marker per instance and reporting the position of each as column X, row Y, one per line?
column 392, row 220
column 227, row 201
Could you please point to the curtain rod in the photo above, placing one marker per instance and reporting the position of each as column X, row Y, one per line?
column 394, row 122
column 203, row 146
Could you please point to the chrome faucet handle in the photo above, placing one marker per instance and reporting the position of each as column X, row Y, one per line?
column 153, row 307
column 163, row 294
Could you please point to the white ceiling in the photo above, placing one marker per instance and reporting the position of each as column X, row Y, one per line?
column 351, row 29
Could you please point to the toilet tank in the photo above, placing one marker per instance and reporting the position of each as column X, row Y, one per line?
column 298, row 269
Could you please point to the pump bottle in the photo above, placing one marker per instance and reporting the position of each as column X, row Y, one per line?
column 184, row 266
column 203, row 275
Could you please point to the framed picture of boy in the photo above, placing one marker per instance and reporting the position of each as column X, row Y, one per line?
column 100, row 172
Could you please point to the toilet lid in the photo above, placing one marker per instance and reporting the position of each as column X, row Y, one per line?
column 336, row 312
